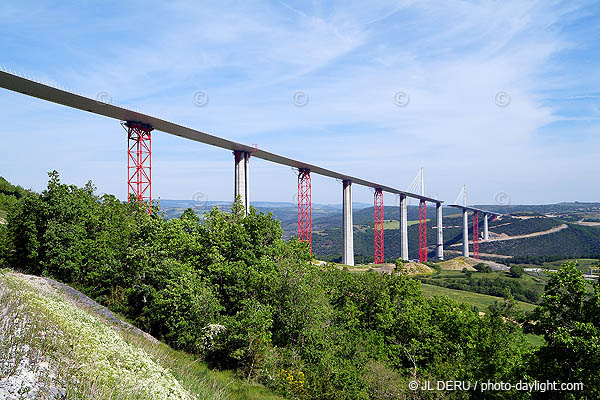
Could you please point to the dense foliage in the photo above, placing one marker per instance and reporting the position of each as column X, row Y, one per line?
column 9, row 194
column 229, row 289
column 569, row 319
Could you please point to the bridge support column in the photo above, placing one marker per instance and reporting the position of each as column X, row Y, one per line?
column 240, row 187
column 476, row 234
column 378, row 227
column 139, row 162
column 403, row 228
column 440, row 232
column 422, row 231
column 465, row 233
column 304, row 207
column 348, row 255
column 485, row 227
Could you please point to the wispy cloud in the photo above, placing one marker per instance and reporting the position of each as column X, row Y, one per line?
column 450, row 58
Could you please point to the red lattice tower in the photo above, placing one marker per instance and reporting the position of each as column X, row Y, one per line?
column 304, row 207
column 139, row 162
column 475, row 234
column 378, row 214
column 422, row 231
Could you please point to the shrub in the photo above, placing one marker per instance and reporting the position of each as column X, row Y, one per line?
column 481, row 267
column 516, row 271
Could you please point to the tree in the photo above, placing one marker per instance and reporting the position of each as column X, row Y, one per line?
column 567, row 318
column 516, row 271
column 481, row 267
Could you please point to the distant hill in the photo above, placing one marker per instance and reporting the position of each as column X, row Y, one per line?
column 574, row 240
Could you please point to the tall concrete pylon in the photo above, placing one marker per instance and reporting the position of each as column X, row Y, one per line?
column 440, row 232
column 347, row 229
column 465, row 233
column 403, row 228
column 241, row 178
column 485, row 227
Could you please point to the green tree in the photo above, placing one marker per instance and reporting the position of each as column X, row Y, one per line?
column 516, row 271
column 567, row 318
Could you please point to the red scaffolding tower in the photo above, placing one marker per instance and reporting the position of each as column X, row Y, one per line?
column 378, row 215
column 139, row 162
column 422, row 231
column 475, row 234
column 304, row 207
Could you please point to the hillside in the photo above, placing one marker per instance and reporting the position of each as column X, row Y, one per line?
column 227, row 290
column 59, row 343
column 564, row 229
column 534, row 235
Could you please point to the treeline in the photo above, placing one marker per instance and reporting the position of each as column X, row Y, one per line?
column 229, row 289
column 9, row 194
column 540, row 260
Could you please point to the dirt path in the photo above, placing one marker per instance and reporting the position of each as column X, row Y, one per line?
column 504, row 236
column 589, row 223
column 480, row 254
column 540, row 233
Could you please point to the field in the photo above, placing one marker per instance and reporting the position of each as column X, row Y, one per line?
column 583, row 264
column 395, row 224
column 526, row 288
column 481, row 301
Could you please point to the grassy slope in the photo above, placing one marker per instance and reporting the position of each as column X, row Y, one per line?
column 583, row 264
column 93, row 358
column 481, row 301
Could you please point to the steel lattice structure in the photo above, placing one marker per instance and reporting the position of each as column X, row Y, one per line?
column 378, row 215
column 139, row 162
column 304, row 207
column 422, row 231
column 475, row 234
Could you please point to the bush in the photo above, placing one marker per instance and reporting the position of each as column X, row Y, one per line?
column 516, row 271
column 179, row 312
column 481, row 267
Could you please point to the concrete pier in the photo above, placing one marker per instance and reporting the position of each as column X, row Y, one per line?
column 241, row 178
column 403, row 228
column 440, row 232
column 347, row 228
column 485, row 227
column 465, row 233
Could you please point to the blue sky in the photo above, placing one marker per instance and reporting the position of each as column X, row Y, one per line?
column 537, row 142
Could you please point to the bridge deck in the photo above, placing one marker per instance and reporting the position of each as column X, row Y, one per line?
column 65, row 98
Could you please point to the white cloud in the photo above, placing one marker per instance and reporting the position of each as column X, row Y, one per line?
column 450, row 57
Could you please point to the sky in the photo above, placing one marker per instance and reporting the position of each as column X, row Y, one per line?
column 500, row 96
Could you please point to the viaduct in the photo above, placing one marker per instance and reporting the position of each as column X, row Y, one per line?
column 139, row 129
